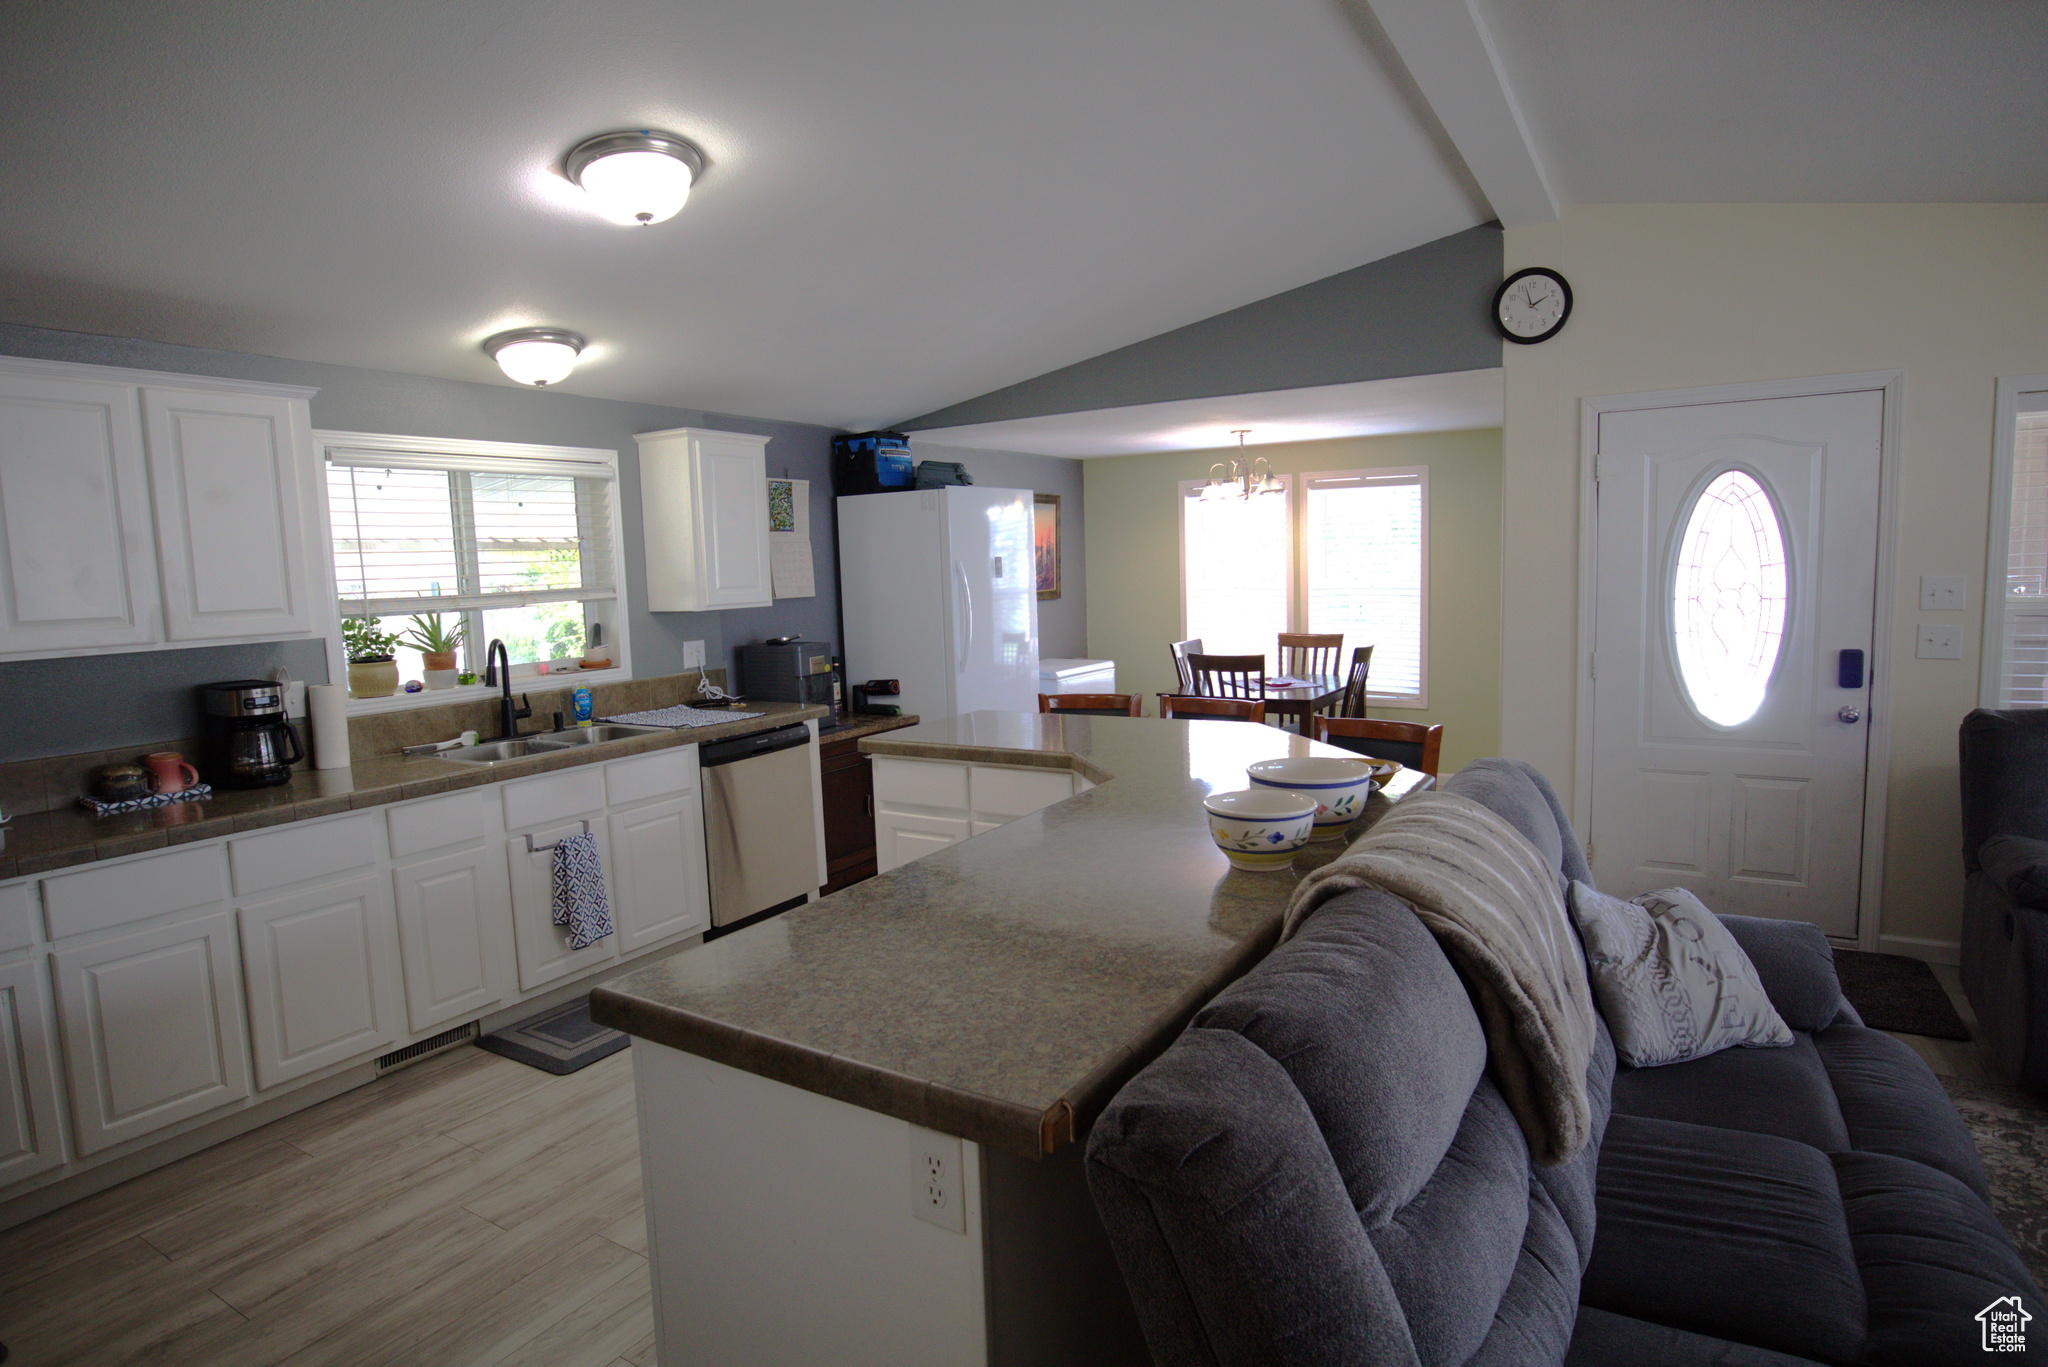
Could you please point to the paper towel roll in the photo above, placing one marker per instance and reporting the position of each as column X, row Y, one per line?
column 329, row 706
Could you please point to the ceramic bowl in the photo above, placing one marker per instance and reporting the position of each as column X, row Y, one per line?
column 1340, row 786
column 1260, row 828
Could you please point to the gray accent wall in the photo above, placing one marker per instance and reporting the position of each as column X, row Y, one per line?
column 99, row 702
column 1426, row 311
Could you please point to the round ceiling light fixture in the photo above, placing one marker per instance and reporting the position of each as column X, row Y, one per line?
column 641, row 176
column 536, row 356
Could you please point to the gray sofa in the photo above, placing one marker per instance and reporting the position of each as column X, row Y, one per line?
column 1320, row 1170
column 2004, row 767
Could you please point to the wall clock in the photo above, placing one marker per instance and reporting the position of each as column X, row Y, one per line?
column 1531, row 305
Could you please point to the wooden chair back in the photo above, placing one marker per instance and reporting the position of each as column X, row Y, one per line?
column 1181, row 650
column 1228, row 676
column 1093, row 704
column 1306, row 654
column 1415, row 744
column 1173, row 705
column 1354, row 687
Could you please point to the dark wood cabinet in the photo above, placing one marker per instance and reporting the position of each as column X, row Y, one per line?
column 849, row 801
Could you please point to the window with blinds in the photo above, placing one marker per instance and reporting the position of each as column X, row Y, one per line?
column 1234, row 569
column 515, row 547
column 2016, row 664
column 1365, row 572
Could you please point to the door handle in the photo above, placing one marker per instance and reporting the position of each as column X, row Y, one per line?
column 965, row 596
column 1850, row 715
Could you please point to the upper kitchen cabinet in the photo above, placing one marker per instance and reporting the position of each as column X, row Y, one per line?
column 704, row 505
column 139, row 509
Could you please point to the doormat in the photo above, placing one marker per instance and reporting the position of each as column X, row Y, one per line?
column 559, row 1040
column 1893, row 992
column 2011, row 1130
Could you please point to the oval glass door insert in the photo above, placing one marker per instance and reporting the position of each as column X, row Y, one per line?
column 1728, row 598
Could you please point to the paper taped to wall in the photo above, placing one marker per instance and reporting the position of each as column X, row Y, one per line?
column 790, row 572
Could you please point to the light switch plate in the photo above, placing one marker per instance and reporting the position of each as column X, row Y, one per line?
column 1942, row 592
column 1940, row 643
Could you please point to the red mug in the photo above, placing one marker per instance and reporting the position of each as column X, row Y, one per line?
column 169, row 773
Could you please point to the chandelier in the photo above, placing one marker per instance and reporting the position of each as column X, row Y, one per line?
column 1243, row 477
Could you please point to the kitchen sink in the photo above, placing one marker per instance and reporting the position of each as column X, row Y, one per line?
column 497, row 751
column 595, row 734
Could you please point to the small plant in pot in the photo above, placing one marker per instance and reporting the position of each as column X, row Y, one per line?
column 436, row 645
column 372, row 658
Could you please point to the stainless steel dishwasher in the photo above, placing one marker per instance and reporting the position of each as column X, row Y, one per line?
column 759, row 833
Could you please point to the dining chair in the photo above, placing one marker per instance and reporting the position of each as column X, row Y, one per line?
column 1310, row 654
column 1415, row 744
column 1093, row 704
column 1354, row 687
column 1173, row 705
column 1181, row 650
column 1228, row 676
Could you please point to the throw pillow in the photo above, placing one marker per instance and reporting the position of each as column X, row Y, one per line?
column 1670, row 979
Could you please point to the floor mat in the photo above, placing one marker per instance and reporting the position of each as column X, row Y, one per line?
column 1892, row 992
column 559, row 1040
column 2011, row 1130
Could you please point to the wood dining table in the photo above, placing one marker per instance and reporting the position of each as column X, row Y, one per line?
column 1312, row 695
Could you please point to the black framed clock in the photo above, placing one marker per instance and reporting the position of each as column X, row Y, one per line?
column 1531, row 305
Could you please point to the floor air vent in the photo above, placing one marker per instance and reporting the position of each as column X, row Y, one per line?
column 433, row 1044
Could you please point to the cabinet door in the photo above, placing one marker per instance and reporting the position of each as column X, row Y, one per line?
column 323, row 986
column 732, row 503
column 903, row 836
column 849, row 799
column 78, row 563
column 658, row 886
column 28, row 1083
column 225, row 474
column 454, row 942
column 152, row 1028
column 543, row 947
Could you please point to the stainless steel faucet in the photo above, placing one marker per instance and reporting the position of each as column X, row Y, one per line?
column 495, row 660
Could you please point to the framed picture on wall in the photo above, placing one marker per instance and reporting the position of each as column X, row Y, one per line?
column 1045, row 543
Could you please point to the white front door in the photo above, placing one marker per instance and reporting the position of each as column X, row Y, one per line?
column 1737, row 556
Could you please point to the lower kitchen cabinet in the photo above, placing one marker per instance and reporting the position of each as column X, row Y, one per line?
column 152, row 1028
column 543, row 947
column 28, row 1086
column 322, row 977
column 924, row 805
column 452, row 936
column 848, row 784
column 658, row 887
column 903, row 836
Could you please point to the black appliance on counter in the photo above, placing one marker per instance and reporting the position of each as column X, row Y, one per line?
column 787, row 669
column 249, row 742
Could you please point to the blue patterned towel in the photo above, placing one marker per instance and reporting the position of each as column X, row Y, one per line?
column 580, row 902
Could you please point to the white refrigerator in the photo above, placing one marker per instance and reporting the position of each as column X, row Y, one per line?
column 938, row 589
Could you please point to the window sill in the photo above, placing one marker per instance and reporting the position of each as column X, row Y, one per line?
column 521, row 683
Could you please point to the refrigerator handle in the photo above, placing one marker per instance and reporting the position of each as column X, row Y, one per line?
column 963, row 598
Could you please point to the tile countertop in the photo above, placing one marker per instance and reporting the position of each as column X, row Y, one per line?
column 1002, row 989
column 41, row 841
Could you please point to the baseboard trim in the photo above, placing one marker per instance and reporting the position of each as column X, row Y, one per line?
column 1919, row 947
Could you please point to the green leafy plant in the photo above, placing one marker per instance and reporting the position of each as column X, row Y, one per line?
column 429, row 637
column 364, row 643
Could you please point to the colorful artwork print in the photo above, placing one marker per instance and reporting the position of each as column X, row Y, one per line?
column 781, row 506
column 1045, row 543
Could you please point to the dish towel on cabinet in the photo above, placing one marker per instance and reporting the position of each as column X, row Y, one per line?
column 580, row 902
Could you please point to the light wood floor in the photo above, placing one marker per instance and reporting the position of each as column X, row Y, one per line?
column 1972, row 1059
column 466, row 1211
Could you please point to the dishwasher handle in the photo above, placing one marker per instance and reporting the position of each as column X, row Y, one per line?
column 748, row 747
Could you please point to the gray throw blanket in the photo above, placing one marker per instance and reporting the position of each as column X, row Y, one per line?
column 1495, row 906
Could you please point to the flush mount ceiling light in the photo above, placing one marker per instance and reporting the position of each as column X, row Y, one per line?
column 636, row 177
column 535, row 356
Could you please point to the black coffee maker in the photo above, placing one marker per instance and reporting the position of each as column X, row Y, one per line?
column 249, row 742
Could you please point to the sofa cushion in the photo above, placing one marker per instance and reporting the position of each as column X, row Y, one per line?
column 1891, row 1102
column 1786, row 1092
column 2019, row 865
column 1508, row 792
column 1732, row 1235
column 1602, row 1338
column 1797, row 967
column 1670, row 979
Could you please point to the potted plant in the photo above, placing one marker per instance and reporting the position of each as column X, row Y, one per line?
column 372, row 664
column 436, row 645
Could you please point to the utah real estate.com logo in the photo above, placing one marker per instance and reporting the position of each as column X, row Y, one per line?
column 2005, row 1325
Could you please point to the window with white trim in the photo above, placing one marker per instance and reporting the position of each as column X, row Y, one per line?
column 2016, row 575
column 516, row 543
column 1235, row 554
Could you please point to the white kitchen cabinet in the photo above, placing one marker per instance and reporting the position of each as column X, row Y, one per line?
column 704, row 511
column 322, row 977
column 453, row 939
column 28, row 1081
column 78, row 569
column 658, row 882
column 903, row 836
column 152, row 1028
column 925, row 805
column 225, row 472
column 543, row 947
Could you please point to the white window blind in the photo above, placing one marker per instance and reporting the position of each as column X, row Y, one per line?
column 2022, row 668
column 1365, row 557
column 1234, row 570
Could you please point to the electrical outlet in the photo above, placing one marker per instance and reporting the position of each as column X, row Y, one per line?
column 1940, row 643
column 693, row 655
column 1942, row 592
column 935, row 1190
